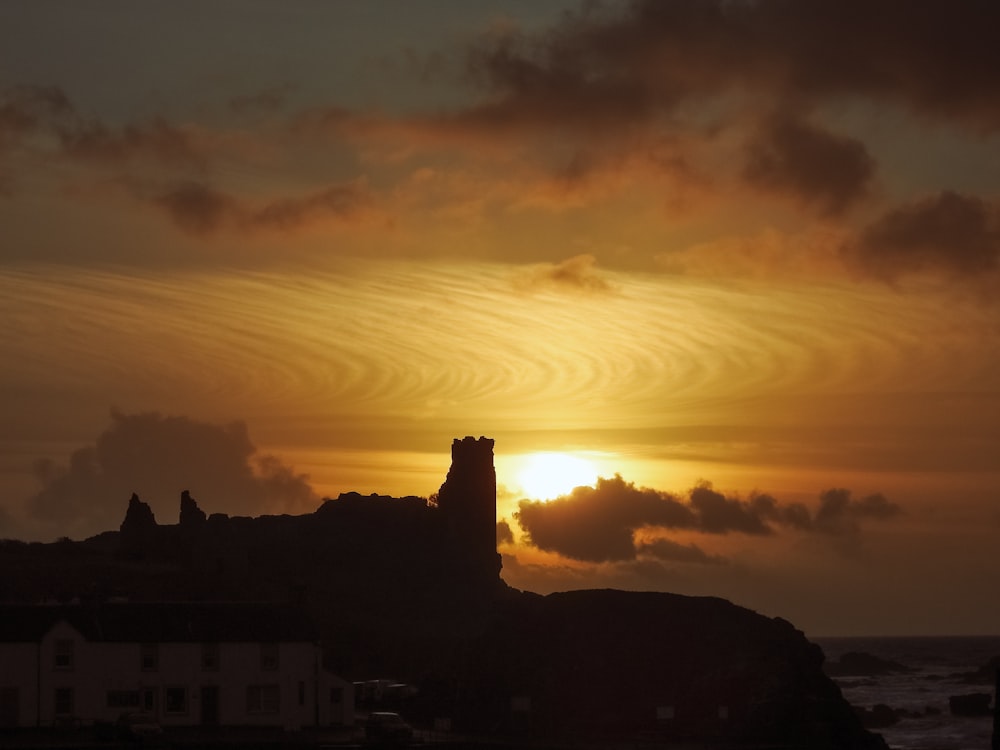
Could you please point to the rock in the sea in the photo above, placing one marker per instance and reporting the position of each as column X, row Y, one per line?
column 970, row 704
column 982, row 676
column 858, row 663
column 878, row 716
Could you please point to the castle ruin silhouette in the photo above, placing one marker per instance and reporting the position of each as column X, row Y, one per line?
column 386, row 542
column 410, row 587
column 468, row 501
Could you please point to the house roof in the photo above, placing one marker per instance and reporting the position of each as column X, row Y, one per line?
column 161, row 622
column 25, row 624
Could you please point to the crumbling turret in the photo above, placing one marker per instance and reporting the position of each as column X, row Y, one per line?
column 468, row 501
column 139, row 518
column 139, row 531
column 191, row 515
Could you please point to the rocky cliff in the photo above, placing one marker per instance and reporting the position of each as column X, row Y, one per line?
column 616, row 663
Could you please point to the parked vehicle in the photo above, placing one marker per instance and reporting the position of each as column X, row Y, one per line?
column 387, row 728
column 139, row 726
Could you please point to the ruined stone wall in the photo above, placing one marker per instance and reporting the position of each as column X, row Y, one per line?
column 468, row 500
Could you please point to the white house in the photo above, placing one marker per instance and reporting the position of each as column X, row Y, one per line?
column 192, row 663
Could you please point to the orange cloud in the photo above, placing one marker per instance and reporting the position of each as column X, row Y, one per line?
column 197, row 208
column 202, row 210
column 811, row 165
column 949, row 232
column 578, row 272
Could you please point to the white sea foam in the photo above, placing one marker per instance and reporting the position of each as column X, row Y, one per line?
column 935, row 662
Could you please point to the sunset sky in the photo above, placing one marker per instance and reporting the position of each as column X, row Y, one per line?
column 739, row 259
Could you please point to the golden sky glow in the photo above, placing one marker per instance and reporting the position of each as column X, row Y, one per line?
column 299, row 253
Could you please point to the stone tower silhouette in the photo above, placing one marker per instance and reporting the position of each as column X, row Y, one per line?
column 468, row 502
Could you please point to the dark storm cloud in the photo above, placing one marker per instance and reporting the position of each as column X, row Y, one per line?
column 622, row 77
column 200, row 209
column 602, row 66
column 158, row 456
column 828, row 171
column 555, row 83
column 598, row 524
column 949, row 232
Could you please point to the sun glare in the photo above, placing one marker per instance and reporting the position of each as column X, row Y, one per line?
column 544, row 476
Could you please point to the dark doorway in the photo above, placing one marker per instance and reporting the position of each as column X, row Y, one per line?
column 210, row 705
column 149, row 701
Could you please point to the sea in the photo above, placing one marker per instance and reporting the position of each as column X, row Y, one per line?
column 937, row 664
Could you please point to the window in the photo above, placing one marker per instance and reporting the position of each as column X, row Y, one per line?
column 64, row 701
column 263, row 699
column 336, row 696
column 302, row 693
column 268, row 656
column 210, row 657
column 175, row 700
column 149, row 657
column 123, row 699
column 64, row 654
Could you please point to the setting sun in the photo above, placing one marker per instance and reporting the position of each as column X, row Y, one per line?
column 545, row 476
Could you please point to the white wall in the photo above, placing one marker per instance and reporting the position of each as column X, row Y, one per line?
column 101, row 666
column 340, row 712
column 50, row 677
